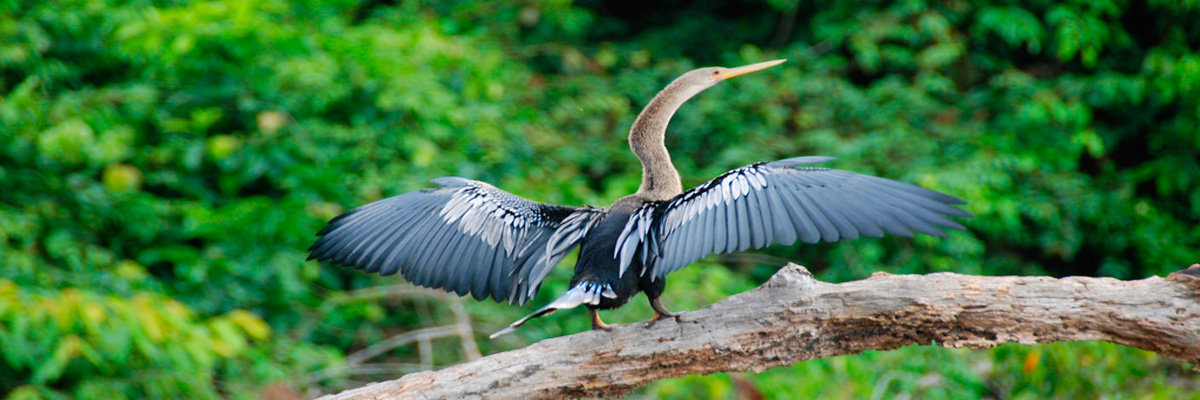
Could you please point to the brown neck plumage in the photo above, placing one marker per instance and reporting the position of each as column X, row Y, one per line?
column 660, row 180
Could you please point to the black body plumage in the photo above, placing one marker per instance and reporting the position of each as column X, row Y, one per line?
column 596, row 263
column 469, row 237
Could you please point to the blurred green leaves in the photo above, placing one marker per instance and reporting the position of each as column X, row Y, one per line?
column 141, row 345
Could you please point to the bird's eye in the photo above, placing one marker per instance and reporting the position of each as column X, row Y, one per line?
column 716, row 72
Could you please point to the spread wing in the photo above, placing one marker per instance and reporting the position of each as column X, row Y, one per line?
column 465, row 237
column 779, row 202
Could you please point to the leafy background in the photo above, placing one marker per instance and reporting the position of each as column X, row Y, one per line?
column 165, row 164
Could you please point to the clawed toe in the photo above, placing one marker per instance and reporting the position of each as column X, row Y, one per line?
column 661, row 312
column 658, row 316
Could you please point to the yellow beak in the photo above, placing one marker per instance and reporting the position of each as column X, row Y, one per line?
column 745, row 69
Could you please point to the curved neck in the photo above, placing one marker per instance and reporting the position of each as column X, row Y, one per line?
column 660, row 180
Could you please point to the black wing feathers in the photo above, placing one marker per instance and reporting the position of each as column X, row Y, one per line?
column 781, row 202
column 467, row 237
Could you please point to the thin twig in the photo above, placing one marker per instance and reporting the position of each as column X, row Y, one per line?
column 465, row 331
column 364, row 369
column 402, row 339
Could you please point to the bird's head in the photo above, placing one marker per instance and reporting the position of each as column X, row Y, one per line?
column 697, row 80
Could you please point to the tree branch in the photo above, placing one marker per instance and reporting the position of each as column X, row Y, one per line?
column 793, row 318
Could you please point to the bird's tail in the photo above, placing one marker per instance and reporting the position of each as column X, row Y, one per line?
column 583, row 292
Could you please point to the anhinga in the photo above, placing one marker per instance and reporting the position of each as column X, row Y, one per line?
column 470, row 237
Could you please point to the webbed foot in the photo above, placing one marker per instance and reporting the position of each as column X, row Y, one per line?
column 597, row 323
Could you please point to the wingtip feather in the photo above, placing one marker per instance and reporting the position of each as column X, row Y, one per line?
column 795, row 161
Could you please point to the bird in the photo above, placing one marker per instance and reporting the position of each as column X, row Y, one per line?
column 469, row 237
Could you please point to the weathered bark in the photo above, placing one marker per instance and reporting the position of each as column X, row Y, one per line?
column 794, row 318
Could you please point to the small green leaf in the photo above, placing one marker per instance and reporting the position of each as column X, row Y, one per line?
column 68, row 142
column 49, row 370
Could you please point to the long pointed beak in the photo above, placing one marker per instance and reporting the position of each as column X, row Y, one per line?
column 745, row 69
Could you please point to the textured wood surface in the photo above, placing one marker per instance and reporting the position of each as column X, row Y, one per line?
column 793, row 318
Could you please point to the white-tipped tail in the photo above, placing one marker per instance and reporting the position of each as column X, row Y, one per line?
column 582, row 293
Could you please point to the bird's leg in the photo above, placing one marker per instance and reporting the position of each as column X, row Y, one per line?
column 596, row 322
column 660, row 312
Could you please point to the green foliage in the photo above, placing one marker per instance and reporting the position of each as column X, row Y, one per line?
column 165, row 164
column 110, row 347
